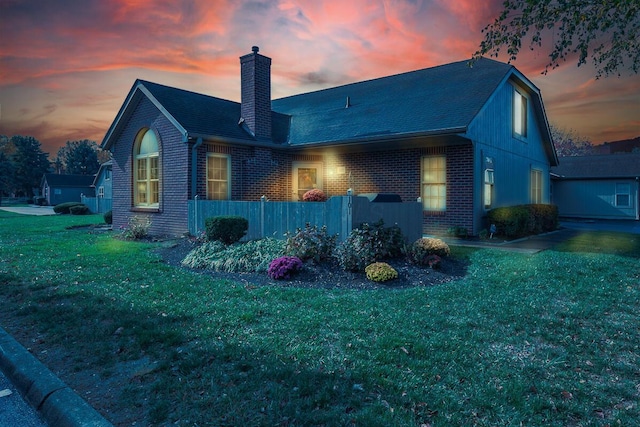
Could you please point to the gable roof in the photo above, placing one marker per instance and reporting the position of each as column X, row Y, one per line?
column 76, row 181
column 598, row 167
column 432, row 102
column 437, row 100
column 108, row 165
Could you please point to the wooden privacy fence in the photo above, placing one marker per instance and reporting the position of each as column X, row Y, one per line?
column 97, row 204
column 340, row 214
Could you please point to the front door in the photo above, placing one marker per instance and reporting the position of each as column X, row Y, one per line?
column 306, row 176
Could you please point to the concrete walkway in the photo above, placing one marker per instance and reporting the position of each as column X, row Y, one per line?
column 30, row 210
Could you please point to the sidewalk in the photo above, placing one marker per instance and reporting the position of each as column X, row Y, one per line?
column 527, row 245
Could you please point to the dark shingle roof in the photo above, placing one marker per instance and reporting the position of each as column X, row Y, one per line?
column 56, row 180
column 603, row 166
column 207, row 115
column 429, row 100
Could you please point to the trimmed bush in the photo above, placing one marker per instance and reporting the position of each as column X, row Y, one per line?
column 108, row 217
column 380, row 272
column 310, row 243
column 64, row 208
column 79, row 210
column 422, row 250
column 227, row 229
column 524, row 220
column 368, row 244
column 284, row 267
column 137, row 228
column 315, row 195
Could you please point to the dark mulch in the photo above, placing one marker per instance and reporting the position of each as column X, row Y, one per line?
column 327, row 275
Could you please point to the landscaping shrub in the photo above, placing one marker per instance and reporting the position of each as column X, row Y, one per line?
column 64, row 208
column 284, row 267
column 227, row 229
column 422, row 250
column 311, row 243
column 315, row 195
column 137, row 228
column 458, row 232
column 79, row 210
column 368, row 244
column 433, row 261
column 523, row 220
column 108, row 217
column 251, row 256
column 380, row 272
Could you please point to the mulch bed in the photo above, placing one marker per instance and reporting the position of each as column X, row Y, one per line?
column 327, row 275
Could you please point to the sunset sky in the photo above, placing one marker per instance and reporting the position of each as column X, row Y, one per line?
column 67, row 65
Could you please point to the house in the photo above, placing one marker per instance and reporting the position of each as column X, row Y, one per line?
column 460, row 139
column 602, row 187
column 58, row 189
column 102, row 186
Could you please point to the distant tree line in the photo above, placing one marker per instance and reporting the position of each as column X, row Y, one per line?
column 22, row 163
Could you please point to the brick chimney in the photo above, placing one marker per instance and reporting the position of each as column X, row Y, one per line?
column 255, row 75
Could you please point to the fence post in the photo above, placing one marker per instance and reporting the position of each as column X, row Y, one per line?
column 195, row 212
column 263, row 200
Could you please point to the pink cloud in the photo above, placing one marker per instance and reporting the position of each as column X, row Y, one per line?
column 84, row 59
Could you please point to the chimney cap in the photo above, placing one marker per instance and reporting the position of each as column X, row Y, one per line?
column 255, row 49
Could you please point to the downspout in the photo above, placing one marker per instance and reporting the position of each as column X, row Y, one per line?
column 194, row 166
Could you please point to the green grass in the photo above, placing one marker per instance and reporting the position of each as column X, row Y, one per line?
column 547, row 339
column 604, row 241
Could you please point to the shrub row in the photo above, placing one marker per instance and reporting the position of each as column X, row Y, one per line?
column 74, row 208
column 524, row 220
column 363, row 250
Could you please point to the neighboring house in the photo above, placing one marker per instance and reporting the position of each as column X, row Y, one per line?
column 462, row 140
column 58, row 189
column 604, row 186
column 102, row 185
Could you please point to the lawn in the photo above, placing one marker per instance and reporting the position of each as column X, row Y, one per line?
column 547, row 339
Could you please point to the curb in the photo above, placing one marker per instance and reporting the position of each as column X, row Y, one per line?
column 59, row 405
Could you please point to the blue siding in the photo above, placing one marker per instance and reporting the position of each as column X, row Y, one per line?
column 513, row 158
column 594, row 199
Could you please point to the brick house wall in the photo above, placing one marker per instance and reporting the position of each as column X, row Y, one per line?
column 174, row 164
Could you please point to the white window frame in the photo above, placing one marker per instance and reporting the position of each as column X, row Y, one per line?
column 520, row 114
column 620, row 192
column 487, row 193
column 434, row 183
column 536, row 186
column 148, row 180
column 212, row 180
column 101, row 191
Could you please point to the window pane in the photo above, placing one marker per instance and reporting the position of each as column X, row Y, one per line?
column 149, row 143
column 217, row 177
column 153, row 165
column 434, row 178
column 519, row 113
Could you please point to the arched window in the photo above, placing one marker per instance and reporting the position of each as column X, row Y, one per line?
column 146, row 173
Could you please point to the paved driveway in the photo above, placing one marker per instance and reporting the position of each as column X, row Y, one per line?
column 30, row 210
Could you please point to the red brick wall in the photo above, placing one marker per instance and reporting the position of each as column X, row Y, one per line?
column 261, row 171
column 171, row 217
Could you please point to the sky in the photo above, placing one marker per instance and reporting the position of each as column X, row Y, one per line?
column 66, row 66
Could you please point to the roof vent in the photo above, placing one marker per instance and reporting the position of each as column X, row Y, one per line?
column 348, row 102
column 255, row 49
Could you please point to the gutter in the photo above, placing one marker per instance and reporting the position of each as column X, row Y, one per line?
column 194, row 167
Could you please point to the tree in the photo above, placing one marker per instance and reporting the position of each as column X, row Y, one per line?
column 6, row 175
column 569, row 143
column 29, row 162
column 79, row 157
column 606, row 30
